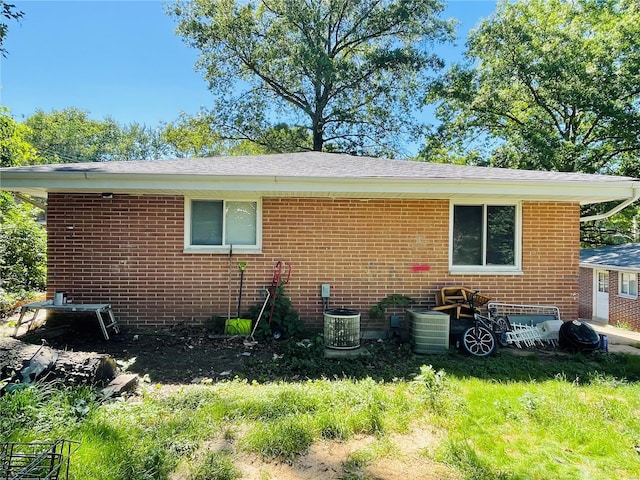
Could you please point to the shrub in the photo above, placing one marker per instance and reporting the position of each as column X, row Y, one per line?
column 23, row 247
column 284, row 316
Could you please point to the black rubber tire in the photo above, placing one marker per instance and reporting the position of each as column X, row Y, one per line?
column 501, row 326
column 479, row 341
column 277, row 332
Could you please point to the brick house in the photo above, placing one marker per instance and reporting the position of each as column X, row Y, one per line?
column 609, row 284
column 153, row 238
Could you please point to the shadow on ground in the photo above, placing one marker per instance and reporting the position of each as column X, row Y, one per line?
column 186, row 354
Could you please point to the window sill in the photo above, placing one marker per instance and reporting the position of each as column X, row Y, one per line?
column 628, row 297
column 222, row 250
column 484, row 271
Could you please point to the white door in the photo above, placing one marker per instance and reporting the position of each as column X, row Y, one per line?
column 601, row 294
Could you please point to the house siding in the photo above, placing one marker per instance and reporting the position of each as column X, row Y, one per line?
column 128, row 251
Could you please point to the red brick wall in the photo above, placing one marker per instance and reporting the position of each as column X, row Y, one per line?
column 128, row 251
column 622, row 310
column 585, row 307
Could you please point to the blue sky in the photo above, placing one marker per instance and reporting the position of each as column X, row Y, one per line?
column 123, row 59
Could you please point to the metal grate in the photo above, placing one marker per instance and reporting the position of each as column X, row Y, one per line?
column 36, row 460
column 342, row 329
column 531, row 325
column 515, row 312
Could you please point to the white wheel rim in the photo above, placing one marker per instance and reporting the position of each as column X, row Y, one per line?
column 483, row 344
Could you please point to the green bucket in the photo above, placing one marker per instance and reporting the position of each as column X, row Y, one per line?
column 238, row 326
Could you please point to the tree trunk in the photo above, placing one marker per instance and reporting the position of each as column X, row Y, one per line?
column 71, row 367
column 318, row 136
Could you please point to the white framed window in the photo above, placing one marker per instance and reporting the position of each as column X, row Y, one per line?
column 603, row 281
column 485, row 237
column 628, row 284
column 214, row 225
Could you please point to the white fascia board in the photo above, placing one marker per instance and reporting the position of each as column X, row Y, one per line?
column 616, row 268
column 583, row 192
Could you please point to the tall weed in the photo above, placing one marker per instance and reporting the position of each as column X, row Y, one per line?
column 40, row 411
column 433, row 387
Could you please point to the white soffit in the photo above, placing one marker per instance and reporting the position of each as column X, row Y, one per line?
column 583, row 192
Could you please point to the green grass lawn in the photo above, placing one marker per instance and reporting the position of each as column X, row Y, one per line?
column 506, row 417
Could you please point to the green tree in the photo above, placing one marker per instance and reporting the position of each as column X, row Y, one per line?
column 23, row 246
column 22, row 239
column 7, row 12
column 137, row 141
column 69, row 136
column 549, row 85
column 15, row 149
column 193, row 136
column 348, row 72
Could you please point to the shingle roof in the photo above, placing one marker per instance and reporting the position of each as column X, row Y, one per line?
column 626, row 256
column 312, row 164
column 316, row 174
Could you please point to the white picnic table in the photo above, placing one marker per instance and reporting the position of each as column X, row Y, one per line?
column 97, row 308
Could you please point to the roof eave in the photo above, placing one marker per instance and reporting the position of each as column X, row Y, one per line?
column 599, row 266
column 369, row 187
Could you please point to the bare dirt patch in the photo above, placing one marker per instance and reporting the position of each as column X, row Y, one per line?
column 177, row 355
column 327, row 461
column 330, row 460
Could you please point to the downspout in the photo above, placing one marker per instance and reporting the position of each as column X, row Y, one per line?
column 32, row 201
column 615, row 209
